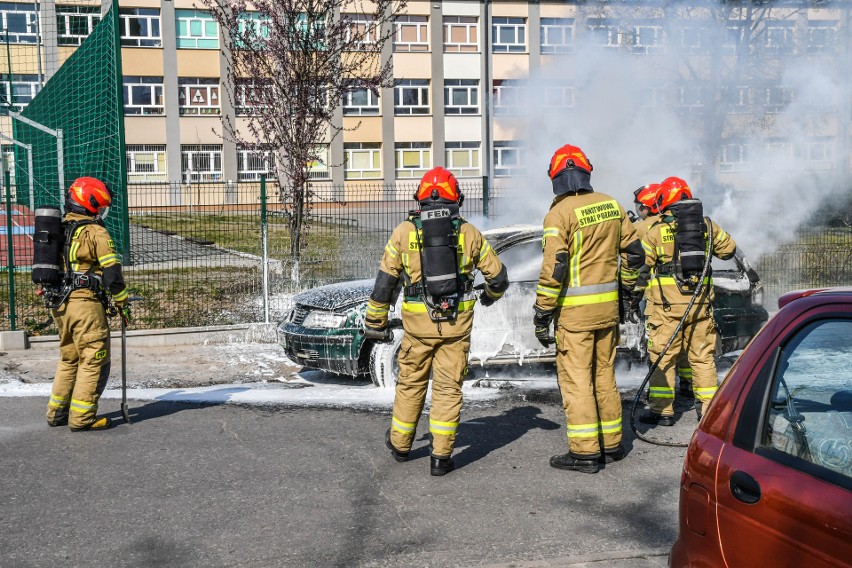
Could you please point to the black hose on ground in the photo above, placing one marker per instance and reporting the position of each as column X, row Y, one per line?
column 656, row 363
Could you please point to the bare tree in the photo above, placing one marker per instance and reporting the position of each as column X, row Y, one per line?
column 291, row 62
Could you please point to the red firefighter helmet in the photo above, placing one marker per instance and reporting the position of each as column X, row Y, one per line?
column 646, row 196
column 672, row 190
column 88, row 195
column 439, row 185
column 568, row 157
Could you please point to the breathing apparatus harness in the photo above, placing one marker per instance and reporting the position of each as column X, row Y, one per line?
column 441, row 285
column 683, row 279
column 51, row 244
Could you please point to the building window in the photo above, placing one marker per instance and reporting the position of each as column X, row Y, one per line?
column 776, row 98
column 75, row 23
column 778, row 37
column 252, row 95
column 508, row 159
column 362, row 160
column 604, row 33
column 510, row 97
column 196, row 30
column 411, row 33
column 693, row 39
column 24, row 89
column 732, row 39
column 822, row 36
column 19, row 21
column 8, row 156
column 146, row 163
column 650, row 97
column 361, row 102
column 413, row 159
column 463, row 158
column 558, row 95
column 737, row 98
column 819, row 153
column 557, row 35
column 198, row 95
column 508, row 35
column 735, row 157
column 361, row 30
column 253, row 163
column 318, row 168
column 201, row 163
column 140, row 27
column 647, row 38
column 778, row 150
column 690, row 98
column 461, row 96
column 143, row 95
column 411, row 96
column 460, row 34
column 253, row 26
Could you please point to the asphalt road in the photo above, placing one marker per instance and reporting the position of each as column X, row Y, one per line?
column 225, row 485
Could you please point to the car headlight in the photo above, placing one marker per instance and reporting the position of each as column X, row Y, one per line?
column 757, row 296
column 324, row 320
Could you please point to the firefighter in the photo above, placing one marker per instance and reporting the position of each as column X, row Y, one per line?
column 668, row 286
column 433, row 254
column 584, row 234
column 93, row 269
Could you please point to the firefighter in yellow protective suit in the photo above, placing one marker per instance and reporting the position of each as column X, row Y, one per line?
column 584, row 234
column 434, row 253
column 84, row 340
column 645, row 200
column 667, row 282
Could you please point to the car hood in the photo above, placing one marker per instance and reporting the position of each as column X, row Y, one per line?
column 338, row 296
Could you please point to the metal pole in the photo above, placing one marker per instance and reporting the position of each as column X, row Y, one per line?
column 264, row 239
column 60, row 166
column 486, row 197
column 10, row 254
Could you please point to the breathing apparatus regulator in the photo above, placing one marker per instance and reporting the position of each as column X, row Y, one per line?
column 438, row 221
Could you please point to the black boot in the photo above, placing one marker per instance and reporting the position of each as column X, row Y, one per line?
column 397, row 455
column 657, row 419
column 699, row 409
column 571, row 462
column 441, row 466
column 613, row 454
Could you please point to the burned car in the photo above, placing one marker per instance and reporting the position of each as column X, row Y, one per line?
column 324, row 329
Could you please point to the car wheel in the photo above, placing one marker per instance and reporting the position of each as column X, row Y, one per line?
column 384, row 366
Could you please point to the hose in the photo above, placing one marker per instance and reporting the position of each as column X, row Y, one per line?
column 656, row 363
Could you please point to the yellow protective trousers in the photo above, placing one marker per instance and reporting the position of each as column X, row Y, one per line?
column 697, row 338
column 585, row 363
column 84, row 362
column 446, row 360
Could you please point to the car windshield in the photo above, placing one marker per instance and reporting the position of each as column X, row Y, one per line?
column 523, row 261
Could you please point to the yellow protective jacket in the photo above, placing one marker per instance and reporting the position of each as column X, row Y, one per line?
column 628, row 277
column 401, row 260
column 93, row 249
column 656, row 278
column 584, row 234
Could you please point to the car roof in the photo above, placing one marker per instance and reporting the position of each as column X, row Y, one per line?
column 842, row 293
column 501, row 237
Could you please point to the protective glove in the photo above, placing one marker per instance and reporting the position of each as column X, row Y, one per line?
column 382, row 334
column 485, row 299
column 635, row 312
column 541, row 322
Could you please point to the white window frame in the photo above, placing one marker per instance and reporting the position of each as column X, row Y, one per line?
column 352, row 108
column 366, row 35
column 319, row 168
column 151, row 19
column 742, row 96
column 690, row 97
column 509, row 97
column 505, row 167
column 154, row 86
column 420, row 88
column 604, row 28
column 693, row 38
column 516, row 27
column 189, row 89
column 421, row 152
column 253, row 163
column 779, row 150
column 146, row 163
column 822, row 36
column 819, row 153
column 188, row 39
column 195, row 155
column 23, row 87
column 778, row 37
column 558, row 95
column 469, row 88
column 732, row 38
column 470, row 151
column 245, row 105
column 776, row 98
column 640, row 43
column 734, row 157
column 373, row 151
column 553, row 29
column 470, row 25
column 65, row 14
column 31, row 21
column 420, row 24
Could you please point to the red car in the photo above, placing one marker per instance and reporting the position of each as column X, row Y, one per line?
column 767, row 479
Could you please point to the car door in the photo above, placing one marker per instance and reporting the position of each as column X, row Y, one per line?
column 784, row 487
